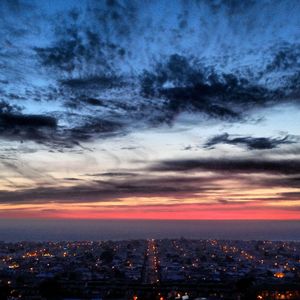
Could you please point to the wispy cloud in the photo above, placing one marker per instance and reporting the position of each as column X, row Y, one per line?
column 229, row 165
column 252, row 143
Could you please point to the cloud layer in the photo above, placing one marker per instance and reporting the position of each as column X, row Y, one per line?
column 252, row 143
column 124, row 84
column 105, row 64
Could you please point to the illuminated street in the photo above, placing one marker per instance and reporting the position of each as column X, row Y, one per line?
column 152, row 263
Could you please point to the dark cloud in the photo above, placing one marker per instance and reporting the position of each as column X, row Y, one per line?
column 291, row 181
column 18, row 126
column 285, row 196
column 188, row 86
column 115, row 174
column 287, row 57
column 252, row 143
column 94, row 127
column 130, row 148
column 56, row 194
column 6, row 108
column 72, row 179
column 93, row 101
column 229, row 165
column 82, row 101
column 8, row 121
column 112, row 190
column 187, row 148
column 45, row 129
column 290, row 196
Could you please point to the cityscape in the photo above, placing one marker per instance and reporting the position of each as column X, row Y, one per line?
column 150, row 269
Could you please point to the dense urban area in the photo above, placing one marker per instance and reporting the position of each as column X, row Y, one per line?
column 150, row 269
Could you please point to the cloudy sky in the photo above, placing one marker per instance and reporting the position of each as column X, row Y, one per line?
column 150, row 109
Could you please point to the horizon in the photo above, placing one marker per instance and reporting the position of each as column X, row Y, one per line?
column 16, row 230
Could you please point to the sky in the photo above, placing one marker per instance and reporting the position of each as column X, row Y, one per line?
column 150, row 109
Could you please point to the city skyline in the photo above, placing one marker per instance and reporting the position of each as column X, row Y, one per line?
column 131, row 110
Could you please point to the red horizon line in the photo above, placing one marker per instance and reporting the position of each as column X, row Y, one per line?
column 142, row 219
